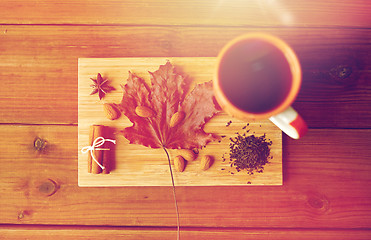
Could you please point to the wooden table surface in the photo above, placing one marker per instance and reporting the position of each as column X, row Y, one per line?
column 327, row 175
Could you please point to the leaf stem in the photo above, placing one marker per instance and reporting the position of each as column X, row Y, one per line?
column 174, row 194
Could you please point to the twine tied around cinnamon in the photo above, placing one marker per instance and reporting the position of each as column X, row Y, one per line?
column 99, row 141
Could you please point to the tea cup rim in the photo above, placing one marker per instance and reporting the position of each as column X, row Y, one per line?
column 295, row 69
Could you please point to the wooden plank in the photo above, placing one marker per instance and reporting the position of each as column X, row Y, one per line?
column 131, row 159
column 38, row 68
column 345, row 13
column 326, row 185
column 77, row 233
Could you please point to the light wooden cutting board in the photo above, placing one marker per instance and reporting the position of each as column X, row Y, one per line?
column 136, row 165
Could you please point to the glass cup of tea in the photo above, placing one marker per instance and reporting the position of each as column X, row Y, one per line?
column 258, row 76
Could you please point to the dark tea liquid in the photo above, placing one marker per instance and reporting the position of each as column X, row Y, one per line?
column 255, row 76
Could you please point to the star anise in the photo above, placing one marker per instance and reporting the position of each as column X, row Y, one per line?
column 100, row 86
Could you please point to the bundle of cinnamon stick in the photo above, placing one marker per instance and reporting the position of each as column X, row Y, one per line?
column 102, row 156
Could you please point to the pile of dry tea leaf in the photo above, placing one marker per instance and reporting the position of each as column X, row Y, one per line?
column 249, row 153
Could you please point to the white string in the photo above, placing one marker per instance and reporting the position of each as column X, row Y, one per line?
column 99, row 141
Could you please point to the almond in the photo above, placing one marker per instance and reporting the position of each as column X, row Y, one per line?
column 176, row 118
column 206, row 162
column 111, row 111
column 143, row 111
column 187, row 154
column 179, row 163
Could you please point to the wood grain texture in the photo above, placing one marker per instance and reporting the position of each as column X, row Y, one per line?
column 102, row 233
column 137, row 165
column 326, row 185
column 326, row 192
column 345, row 13
column 38, row 70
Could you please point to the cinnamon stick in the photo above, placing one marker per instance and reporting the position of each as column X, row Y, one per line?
column 109, row 156
column 107, row 162
column 95, row 131
column 91, row 139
